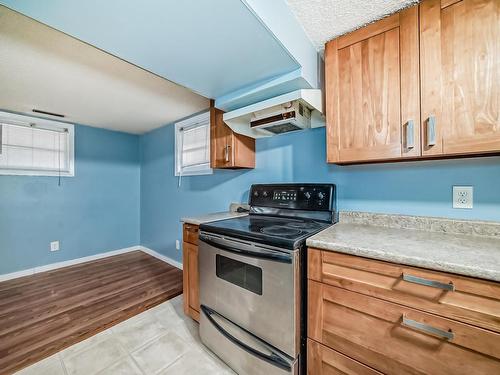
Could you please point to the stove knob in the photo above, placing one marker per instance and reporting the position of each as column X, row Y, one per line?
column 321, row 195
column 307, row 195
column 255, row 193
column 264, row 194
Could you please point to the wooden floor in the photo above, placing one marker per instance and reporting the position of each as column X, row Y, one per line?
column 47, row 312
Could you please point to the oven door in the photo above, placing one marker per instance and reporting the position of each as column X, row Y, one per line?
column 256, row 287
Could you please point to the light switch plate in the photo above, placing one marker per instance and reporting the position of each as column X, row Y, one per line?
column 54, row 246
column 463, row 197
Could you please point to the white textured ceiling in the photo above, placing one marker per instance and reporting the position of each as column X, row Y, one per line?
column 45, row 69
column 324, row 20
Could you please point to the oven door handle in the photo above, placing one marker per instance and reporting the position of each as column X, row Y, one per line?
column 274, row 358
column 261, row 254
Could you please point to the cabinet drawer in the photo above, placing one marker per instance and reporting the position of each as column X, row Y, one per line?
column 190, row 234
column 325, row 361
column 465, row 299
column 396, row 339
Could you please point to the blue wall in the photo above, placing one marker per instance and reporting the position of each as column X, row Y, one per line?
column 95, row 211
column 418, row 188
column 125, row 193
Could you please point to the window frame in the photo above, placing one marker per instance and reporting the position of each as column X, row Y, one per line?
column 9, row 118
column 192, row 122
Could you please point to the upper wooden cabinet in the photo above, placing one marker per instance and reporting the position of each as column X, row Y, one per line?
column 229, row 150
column 372, row 91
column 460, row 76
column 416, row 85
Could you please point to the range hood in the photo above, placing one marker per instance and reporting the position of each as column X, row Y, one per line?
column 296, row 110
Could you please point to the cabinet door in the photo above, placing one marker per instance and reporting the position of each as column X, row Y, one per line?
column 191, row 280
column 242, row 151
column 220, row 142
column 460, row 51
column 229, row 149
column 372, row 91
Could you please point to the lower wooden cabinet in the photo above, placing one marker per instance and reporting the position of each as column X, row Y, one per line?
column 325, row 361
column 190, row 271
column 465, row 299
column 353, row 324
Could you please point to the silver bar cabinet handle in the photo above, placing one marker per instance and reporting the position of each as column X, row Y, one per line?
column 448, row 335
column 431, row 131
column 226, row 153
column 410, row 138
column 427, row 282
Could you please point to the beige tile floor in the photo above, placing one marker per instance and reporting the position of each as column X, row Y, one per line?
column 161, row 340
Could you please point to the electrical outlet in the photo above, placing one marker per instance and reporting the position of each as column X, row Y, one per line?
column 177, row 244
column 463, row 196
column 54, row 246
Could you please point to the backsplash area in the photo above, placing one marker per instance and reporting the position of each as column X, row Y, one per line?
column 424, row 223
column 411, row 188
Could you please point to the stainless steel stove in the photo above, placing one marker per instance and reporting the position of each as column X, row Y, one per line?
column 253, row 278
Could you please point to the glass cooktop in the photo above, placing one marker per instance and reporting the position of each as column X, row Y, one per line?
column 284, row 232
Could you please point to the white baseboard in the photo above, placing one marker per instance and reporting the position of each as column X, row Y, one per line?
column 162, row 257
column 53, row 266
column 15, row 275
column 66, row 263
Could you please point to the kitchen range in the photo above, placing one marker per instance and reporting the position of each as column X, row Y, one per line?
column 253, row 278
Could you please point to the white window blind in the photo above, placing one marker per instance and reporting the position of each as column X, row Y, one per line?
column 193, row 146
column 35, row 148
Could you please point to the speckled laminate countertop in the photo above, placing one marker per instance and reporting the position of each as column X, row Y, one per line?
column 443, row 250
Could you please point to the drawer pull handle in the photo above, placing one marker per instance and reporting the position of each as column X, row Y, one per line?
column 427, row 282
column 449, row 335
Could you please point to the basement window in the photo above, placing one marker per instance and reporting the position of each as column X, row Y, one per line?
column 192, row 146
column 35, row 147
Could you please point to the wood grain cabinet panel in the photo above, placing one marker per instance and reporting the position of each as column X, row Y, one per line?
column 229, row 150
column 325, row 361
column 372, row 91
column 396, row 339
column 460, row 76
column 422, row 83
column 190, row 271
column 190, row 233
column 472, row 301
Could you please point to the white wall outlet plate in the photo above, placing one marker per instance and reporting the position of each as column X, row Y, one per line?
column 463, row 196
column 177, row 244
column 54, row 246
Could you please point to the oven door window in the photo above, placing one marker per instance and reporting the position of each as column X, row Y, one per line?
column 238, row 273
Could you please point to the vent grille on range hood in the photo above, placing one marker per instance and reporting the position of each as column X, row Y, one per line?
column 293, row 111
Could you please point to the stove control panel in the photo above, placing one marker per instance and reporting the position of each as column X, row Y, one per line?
column 311, row 197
